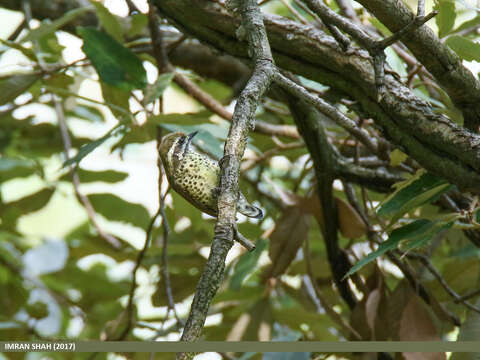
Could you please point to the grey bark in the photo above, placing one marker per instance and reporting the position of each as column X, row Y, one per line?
column 438, row 144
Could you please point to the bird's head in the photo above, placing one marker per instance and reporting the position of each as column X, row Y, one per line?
column 173, row 147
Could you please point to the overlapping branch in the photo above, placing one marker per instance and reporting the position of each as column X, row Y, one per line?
column 438, row 144
column 447, row 68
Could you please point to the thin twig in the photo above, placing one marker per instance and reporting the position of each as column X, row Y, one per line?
column 129, row 309
column 427, row 263
column 348, row 124
column 421, row 290
column 159, row 51
column 249, row 164
column 343, row 40
column 294, row 12
column 374, row 47
column 132, row 8
column 67, row 145
column 216, row 107
column 166, row 233
column 415, row 23
column 347, row 10
column 418, row 287
column 305, row 8
column 18, row 30
column 347, row 329
column 468, row 296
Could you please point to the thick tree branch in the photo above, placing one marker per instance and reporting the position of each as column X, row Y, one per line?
column 438, row 58
column 242, row 122
column 375, row 47
column 436, row 143
column 324, row 160
column 54, row 9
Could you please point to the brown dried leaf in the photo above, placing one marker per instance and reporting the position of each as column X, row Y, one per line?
column 424, row 356
column 350, row 223
column 358, row 320
column 371, row 309
column 239, row 328
column 416, row 325
column 396, row 304
column 259, row 327
column 313, row 206
column 290, row 232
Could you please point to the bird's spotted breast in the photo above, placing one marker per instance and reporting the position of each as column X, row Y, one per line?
column 197, row 176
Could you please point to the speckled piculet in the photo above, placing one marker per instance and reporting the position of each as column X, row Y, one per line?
column 196, row 176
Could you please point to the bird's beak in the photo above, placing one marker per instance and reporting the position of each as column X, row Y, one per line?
column 191, row 136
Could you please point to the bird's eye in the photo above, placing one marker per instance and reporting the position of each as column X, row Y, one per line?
column 180, row 145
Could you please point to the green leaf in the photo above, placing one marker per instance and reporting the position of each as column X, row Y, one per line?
column 37, row 310
column 469, row 331
column 446, row 16
column 86, row 112
column 59, row 81
column 82, row 242
column 397, row 157
column 88, row 148
column 138, row 22
column 12, row 168
column 246, row 265
column 10, row 212
column 396, row 62
column 49, row 27
column 410, row 231
column 116, row 209
column 466, row 49
column 415, row 192
column 116, row 65
column 108, row 176
column 29, row 53
column 468, row 24
column 423, row 239
column 17, row 297
column 96, row 286
column 32, row 203
column 117, row 100
column 50, row 48
column 156, row 90
column 108, row 21
column 14, row 85
column 293, row 317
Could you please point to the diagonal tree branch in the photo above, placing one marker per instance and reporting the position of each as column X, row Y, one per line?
column 348, row 124
column 242, row 122
column 324, row 160
column 438, row 58
column 437, row 143
column 375, row 47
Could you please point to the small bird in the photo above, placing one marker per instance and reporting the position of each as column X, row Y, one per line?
column 196, row 176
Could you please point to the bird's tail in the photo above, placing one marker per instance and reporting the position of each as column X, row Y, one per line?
column 243, row 207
